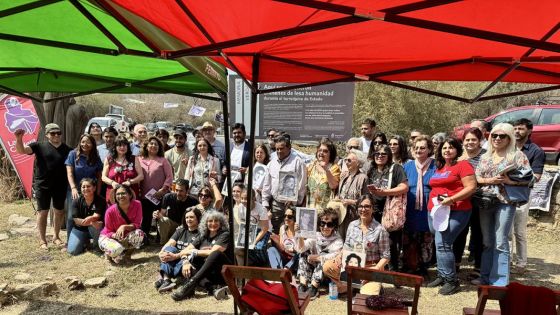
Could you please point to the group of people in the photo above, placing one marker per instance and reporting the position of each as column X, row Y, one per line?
column 116, row 192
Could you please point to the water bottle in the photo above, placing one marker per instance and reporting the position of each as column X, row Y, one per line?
column 333, row 291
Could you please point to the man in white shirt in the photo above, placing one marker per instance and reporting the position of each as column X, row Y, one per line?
column 240, row 151
column 368, row 130
column 285, row 162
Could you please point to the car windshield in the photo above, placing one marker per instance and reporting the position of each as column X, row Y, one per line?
column 100, row 122
column 162, row 124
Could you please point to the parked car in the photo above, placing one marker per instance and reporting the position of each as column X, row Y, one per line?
column 151, row 127
column 546, row 126
column 184, row 126
column 104, row 122
column 165, row 125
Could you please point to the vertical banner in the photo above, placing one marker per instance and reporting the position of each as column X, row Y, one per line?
column 19, row 113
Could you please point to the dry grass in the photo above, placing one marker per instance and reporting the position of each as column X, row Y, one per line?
column 130, row 291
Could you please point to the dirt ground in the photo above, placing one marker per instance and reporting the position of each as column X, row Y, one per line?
column 130, row 289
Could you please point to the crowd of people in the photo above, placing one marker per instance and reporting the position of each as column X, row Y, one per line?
column 116, row 193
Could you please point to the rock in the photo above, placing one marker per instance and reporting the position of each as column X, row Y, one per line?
column 4, row 236
column 23, row 231
column 98, row 282
column 35, row 290
column 109, row 272
column 139, row 266
column 76, row 284
column 16, row 219
column 5, row 298
column 70, row 278
column 3, row 286
column 22, row 277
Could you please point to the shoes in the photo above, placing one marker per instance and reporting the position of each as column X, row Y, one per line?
column 302, row 288
column 184, row 291
column 221, row 293
column 477, row 281
column 313, row 293
column 474, row 274
column 436, row 283
column 517, row 270
column 166, row 286
column 158, row 283
column 449, row 287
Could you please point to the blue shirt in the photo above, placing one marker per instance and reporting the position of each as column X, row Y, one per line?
column 102, row 151
column 417, row 220
column 535, row 155
column 81, row 167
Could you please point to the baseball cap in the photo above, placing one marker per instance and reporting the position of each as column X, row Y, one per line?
column 180, row 132
column 51, row 127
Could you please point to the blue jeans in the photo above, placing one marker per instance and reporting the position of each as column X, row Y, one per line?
column 278, row 261
column 171, row 269
column 69, row 219
column 78, row 239
column 458, row 220
column 496, row 223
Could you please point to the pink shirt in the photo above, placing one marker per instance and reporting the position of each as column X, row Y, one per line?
column 113, row 218
column 157, row 173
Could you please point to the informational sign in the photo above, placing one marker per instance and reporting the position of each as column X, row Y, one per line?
column 170, row 105
column 541, row 194
column 19, row 113
column 197, row 111
column 306, row 114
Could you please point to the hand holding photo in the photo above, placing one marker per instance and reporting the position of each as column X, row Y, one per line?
column 354, row 259
column 235, row 176
column 306, row 218
column 240, row 240
column 287, row 186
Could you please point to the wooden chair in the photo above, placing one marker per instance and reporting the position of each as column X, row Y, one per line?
column 357, row 305
column 230, row 273
column 488, row 292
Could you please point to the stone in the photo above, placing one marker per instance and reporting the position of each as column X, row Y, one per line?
column 5, row 298
column 70, row 278
column 76, row 284
column 16, row 219
column 4, row 236
column 136, row 267
column 22, row 277
column 35, row 290
column 98, row 282
column 3, row 286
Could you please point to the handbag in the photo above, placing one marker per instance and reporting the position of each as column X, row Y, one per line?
column 519, row 195
column 265, row 297
column 395, row 208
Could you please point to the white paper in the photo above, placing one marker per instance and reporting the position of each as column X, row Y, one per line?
column 150, row 196
column 440, row 215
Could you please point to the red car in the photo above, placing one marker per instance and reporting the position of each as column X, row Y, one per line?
column 546, row 126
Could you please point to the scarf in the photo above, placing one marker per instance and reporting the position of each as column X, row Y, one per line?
column 421, row 169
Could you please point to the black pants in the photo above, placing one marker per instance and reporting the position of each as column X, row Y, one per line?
column 210, row 267
column 395, row 248
column 148, row 209
column 475, row 243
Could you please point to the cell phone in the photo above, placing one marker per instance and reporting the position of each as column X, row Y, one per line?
column 372, row 187
column 441, row 197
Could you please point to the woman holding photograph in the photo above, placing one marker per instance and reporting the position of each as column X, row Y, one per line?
column 206, row 199
column 283, row 254
column 315, row 252
column 202, row 166
column 262, row 157
column 323, row 175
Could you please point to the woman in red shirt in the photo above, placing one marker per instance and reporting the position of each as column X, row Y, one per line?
column 453, row 183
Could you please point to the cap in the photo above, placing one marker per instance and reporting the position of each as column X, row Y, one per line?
column 180, row 132
column 207, row 125
column 51, row 127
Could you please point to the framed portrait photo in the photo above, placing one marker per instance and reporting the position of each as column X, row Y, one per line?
column 235, row 176
column 287, row 186
column 306, row 218
column 355, row 259
column 240, row 239
column 259, row 173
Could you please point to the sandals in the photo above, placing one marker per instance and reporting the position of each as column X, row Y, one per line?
column 44, row 246
column 58, row 242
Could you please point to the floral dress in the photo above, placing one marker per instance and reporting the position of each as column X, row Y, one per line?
column 318, row 190
column 120, row 173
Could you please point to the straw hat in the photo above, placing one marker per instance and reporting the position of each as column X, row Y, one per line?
column 337, row 205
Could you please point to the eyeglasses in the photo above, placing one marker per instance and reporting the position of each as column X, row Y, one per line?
column 121, row 194
column 348, row 160
column 289, row 217
column 350, row 147
column 327, row 224
column 270, row 135
column 364, row 207
column 204, row 196
column 323, row 150
column 380, row 154
column 55, row 133
column 499, row 135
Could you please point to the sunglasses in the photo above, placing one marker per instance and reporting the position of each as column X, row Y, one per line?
column 379, row 154
column 378, row 142
column 289, row 217
column 348, row 160
column 350, row 147
column 327, row 224
column 498, row 135
column 364, row 207
column 55, row 133
column 270, row 136
column 204, row 196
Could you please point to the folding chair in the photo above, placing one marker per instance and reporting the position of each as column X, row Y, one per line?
column 357, row 304
column 297, row 304
column 488, row 292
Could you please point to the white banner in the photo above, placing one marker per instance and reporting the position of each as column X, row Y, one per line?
column 170, row 105
column 197, row 111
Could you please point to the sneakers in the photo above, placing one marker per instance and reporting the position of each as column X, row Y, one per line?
column 517, row 270
column 302, row 288
column 184, row 291
column 166, row 285
column 221, row 293
column 436, row 283
column 477, row 281
column 449, row 287
column 313, row 293
column 158, row 283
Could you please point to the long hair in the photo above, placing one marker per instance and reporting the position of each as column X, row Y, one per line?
column 330, row 146
column 384, row 149
column 454, row 142
column 266, row 153
column 121, row 140
column 203, row 226
column 210, row 149
column 507, row 129
column 93, row 156
column 145, row 147
column 402, row 153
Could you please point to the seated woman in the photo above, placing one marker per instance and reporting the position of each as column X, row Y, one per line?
column 122, row 233
column 283, row 254
column 314, row 253
column 259, row 216
column 87, row 213
column 210, row 199
column 170, row 255
column 205, row 258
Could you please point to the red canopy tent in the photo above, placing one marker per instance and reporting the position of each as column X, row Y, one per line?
column 315, row 42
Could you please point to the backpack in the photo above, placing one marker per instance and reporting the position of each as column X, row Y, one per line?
column 394, row 213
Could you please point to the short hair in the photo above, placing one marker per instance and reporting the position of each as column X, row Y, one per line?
column 112, row 130
column 207, row 190
column 524, row 121
column 212, row 215
column 91, row 181
column 353, row 255
column 440, row 136
column 360, row 156
column 272, row 129
column 429, row 143
column 137, row 127
column 285, row 138
column 182, row 182
column 454, row 142
column 332, row 212
column 369, row 197
column 360, row 145
column 197, row 214
column 330, row 146
column 128, row 190
column 162, row 132
column 475, row 131
column 266, row 153
column 370, row 122
column 239, row 126
column 160, row 151
column 483, row 123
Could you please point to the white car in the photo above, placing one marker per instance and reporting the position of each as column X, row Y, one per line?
column 104, row 122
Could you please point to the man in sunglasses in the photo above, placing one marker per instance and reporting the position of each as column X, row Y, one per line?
column 368, row 130
column 48, row 183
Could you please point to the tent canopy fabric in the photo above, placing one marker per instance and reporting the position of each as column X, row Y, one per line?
column 313, row 41
column 77, row 47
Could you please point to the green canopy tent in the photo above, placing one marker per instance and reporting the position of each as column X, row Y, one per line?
column 76, row 47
